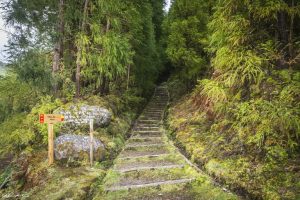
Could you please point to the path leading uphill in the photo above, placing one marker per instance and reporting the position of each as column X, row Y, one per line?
column 150, row 167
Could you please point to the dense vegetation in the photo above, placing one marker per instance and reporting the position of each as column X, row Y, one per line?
column 235, row 79
column 73, row 50
column 96, row 52
column 242, row 119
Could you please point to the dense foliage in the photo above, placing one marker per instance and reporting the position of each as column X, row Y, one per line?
column 247, row 105
column 72, row 50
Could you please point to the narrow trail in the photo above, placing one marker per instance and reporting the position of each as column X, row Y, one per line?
column 150, row 167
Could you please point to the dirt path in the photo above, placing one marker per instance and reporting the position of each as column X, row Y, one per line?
column 150, row 167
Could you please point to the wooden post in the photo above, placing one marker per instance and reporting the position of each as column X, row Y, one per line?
column 50, row 144
column 51, row 119
column 91, row 142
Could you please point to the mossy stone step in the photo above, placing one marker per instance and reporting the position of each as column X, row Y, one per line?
column 142, row 178
column 143, row 128
column 150, row 184
column 145, row 144
column 148, row 121
column 146, row 134
column 147, row 166
column 142, row 153
column 145, row 139
column 145, row 148
column 157, row 117
column 152, row 155
column 147, row 125
column 147, row 131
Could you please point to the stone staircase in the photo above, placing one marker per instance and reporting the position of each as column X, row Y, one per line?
column 150, row 167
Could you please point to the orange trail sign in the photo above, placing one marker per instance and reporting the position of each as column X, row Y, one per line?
column 51, row 119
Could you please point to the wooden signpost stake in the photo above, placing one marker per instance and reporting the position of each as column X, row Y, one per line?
column 91, row 142
column 51, row 119
column 50, row 144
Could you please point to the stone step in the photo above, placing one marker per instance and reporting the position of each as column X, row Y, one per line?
column 154, row 109
column 145, row 139
column 147, row 135
column 145, row 128
column 153, row 184
column 144, row 156
column 152, row 114
column 149, row 124
column 149, row 120
column 144, row 145
column 143, row 151
column 158, row 108
column 147, row 131
column 140, row 168
column 156, row 105
column 158, row 113
column 151, row 109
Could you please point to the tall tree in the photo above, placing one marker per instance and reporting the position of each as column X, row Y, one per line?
column 81, row 47
column 59, row 45
column 187, row 33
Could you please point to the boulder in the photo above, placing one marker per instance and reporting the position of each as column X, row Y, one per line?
column 75, row 148
column 77, row 116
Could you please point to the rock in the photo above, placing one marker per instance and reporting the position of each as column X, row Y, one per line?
column 73, row 148
column 77, row 116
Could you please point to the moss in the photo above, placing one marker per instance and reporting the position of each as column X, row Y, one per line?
column 201, row 188
column 66, row 183
column 216, row 148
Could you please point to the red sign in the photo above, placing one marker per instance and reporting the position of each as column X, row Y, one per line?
column 42, row 118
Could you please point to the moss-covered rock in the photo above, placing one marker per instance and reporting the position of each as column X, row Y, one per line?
column 78, row 115
column 69, row 149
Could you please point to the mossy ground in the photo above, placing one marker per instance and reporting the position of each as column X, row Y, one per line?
column 34, row 179
column 224, row 159
column 201, row 188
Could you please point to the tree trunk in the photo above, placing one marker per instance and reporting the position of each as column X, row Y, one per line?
column 79, row 49
column 104, row 84
column 128, row 77
column 59, row 46
column 291, row 34
column 283, row 37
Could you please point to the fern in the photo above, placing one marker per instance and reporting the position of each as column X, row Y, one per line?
column 211, row 90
